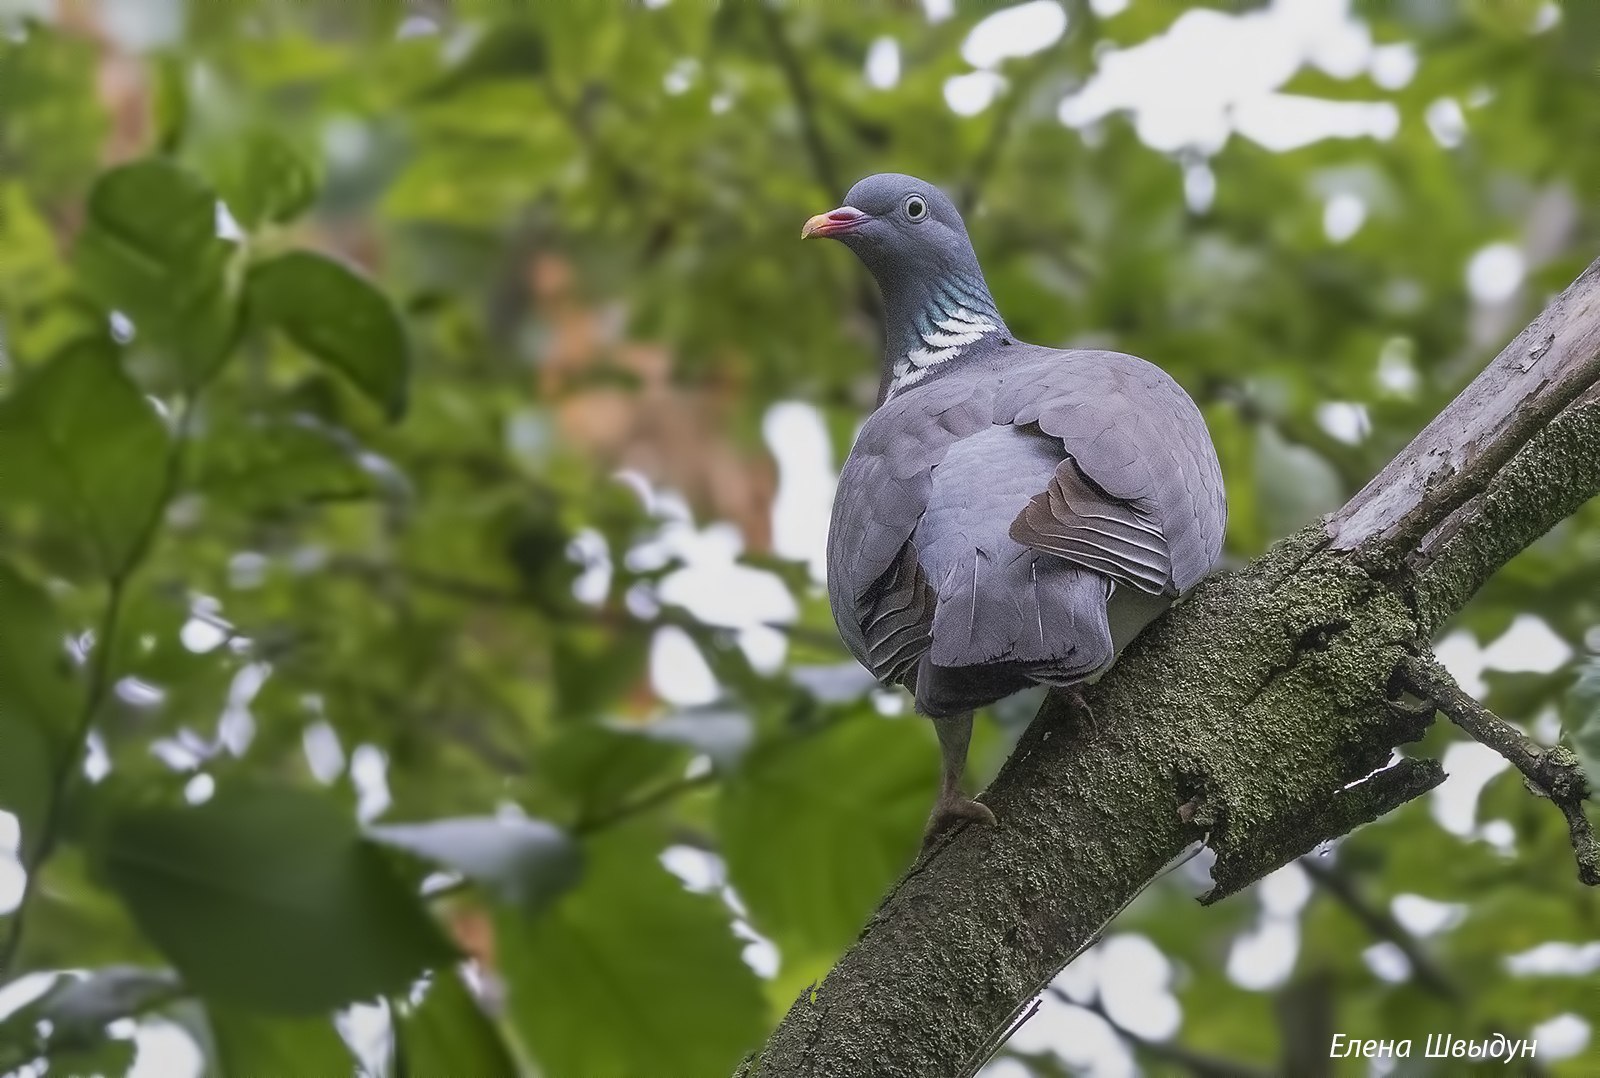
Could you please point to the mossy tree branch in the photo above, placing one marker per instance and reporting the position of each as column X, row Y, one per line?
column 1266, row 707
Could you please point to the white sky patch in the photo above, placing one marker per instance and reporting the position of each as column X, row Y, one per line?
column 1393, row 66
column 198, row 790
column 1423, row 916
column 1499, row 834
column 1397, row 372
column 678, row 671
column 1285, row 891
column 1527, row 646
column 96, row 760
column 13, row 880
column 681, row 76
column 202, row 634
column 1563, row 1037
column 1344, row 420
column 367, row 1030
column 228, row 227
column 1005, row 1067
column 141, row 26
column 588, row 548
column 711, row 584
column 1107, row 9
column 1081, row 980
column 1387, row 962
column 324, row 753
column 1446, row 122
column 1343, row 215
column 247, row 569
column 970, row 94
column 416, row 26
column 1556, row 960
column 1021, row 30
column 1199, row 186
column 10, row 833
column 17, row 994
column 1282, row 122
column 938, row 10
column 1468, row 767
column 1495, row 272
column 1212, row 74
column 236, row 728
column 759, row 953
column 1134, row 976
column 798, row 439
column 165, row 1050
column 369, row 773
column 1264, row 957
column 883, row 63
column 1460, row 654
column 1076, row 1036
column 698, row 870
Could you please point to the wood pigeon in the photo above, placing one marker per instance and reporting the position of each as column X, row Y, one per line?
column 1010, row 514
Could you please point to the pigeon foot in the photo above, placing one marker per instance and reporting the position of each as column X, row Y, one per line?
column 951, row 811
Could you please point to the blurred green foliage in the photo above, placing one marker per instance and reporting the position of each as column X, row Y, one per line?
column 477, row 257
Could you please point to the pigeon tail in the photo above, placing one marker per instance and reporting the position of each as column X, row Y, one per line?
column 1005, row 614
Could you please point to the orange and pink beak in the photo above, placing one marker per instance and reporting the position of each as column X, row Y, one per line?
column 834, row 222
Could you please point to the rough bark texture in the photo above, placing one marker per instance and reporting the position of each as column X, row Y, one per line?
column 1264, row 707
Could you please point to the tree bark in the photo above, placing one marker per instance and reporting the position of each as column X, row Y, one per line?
column 1260, row 715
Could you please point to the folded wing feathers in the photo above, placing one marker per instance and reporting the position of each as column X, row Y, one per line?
column 1137, row 500
column 1072, row 520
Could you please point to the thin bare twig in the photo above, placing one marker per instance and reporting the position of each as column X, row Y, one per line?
column 794, row 73
column 1553, row 773
column 99, row 685
column 1200, row 1064
column 1378, row 921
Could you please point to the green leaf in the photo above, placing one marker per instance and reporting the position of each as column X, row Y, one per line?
column 629, row 949
column 107, row 1056
column 96, row 453
column 248, row 1044
column 815, row 828
column 74, row 923
column 268, row 462
column 150, row 250
column 448, row 1033
column 525, row 862
column 601, row 769
column 263, row 177
column 510, row 50
column 266, row 898
column 337, row 316
column 40, row 698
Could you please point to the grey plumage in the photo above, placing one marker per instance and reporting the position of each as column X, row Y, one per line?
column 1010, row 514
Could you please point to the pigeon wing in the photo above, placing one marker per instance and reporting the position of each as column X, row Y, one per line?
column 1138, row 494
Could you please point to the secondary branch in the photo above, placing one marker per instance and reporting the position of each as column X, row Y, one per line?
column 1553, row 773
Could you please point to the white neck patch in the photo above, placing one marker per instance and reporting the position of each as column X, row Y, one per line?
column 948, row 336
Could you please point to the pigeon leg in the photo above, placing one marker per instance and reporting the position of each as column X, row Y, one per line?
column 955, row 731
column 1078, row 705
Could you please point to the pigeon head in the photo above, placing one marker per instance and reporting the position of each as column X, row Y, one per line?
column 912, row 239
column 897, row 225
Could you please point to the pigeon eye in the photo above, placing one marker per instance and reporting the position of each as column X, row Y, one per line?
column 916, row 208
